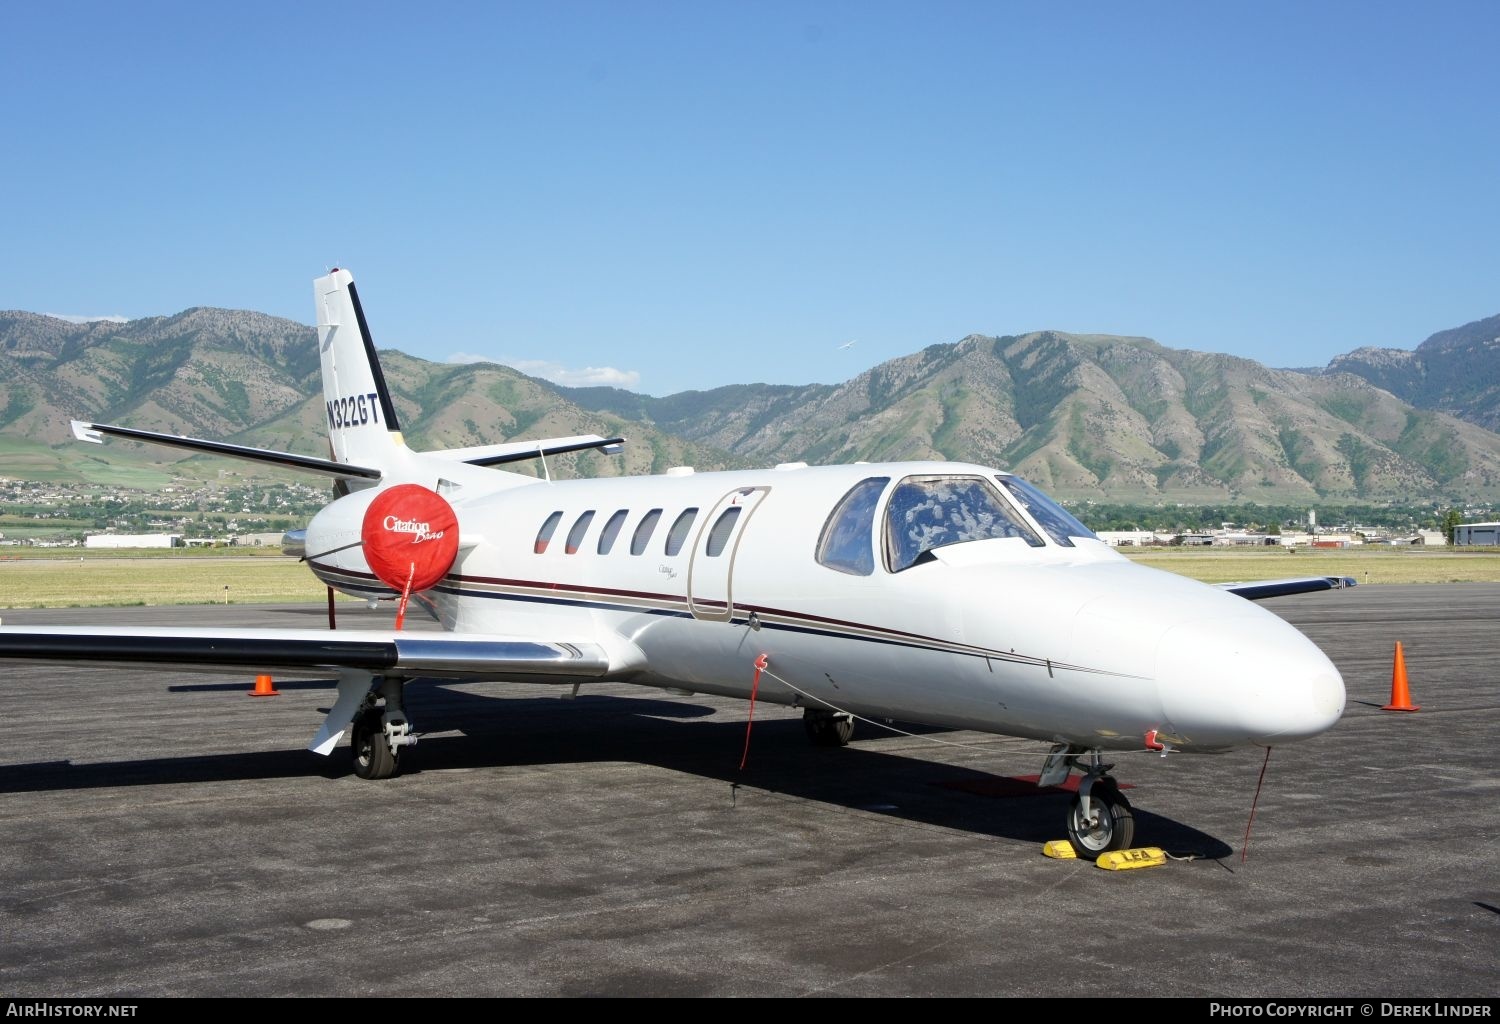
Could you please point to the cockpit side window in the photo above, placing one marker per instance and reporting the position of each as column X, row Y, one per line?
column 848, row 540
column 929, row 512
column 1059, row 523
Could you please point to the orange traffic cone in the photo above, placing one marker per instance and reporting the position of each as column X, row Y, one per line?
column 264, row 688
column 1400, row 695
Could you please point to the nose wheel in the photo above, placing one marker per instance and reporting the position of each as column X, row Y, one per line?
column 1100, row 820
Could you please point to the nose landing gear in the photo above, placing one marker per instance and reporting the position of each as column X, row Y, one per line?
column 1100, row 820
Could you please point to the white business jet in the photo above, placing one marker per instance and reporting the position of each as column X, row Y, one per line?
column 941, row 593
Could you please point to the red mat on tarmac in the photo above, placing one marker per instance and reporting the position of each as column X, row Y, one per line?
column 1015, row 785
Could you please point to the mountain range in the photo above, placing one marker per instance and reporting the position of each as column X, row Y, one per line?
column 1084, row 416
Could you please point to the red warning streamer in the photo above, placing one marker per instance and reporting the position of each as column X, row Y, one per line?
column 1245, row 846
column 760, row 666
column 405, row 596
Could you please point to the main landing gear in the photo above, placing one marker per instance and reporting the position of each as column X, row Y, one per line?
column 828, row 728
column 380, row 732
column 1100, row 819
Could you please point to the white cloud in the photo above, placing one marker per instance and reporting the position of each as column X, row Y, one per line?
column 588, row 376
column 76, row 319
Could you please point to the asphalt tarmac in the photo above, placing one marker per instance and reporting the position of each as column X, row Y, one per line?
column 165, row 834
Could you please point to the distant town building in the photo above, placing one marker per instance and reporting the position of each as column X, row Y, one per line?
column 1229, row 537
column 1130, row 538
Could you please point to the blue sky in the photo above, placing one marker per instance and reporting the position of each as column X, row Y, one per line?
column 670, row 196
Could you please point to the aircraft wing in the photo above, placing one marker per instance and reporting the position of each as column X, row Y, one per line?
column 317, row 652
column 1257, row 590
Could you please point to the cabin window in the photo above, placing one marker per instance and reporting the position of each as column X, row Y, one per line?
column 580, row 527
column 544, row 535
column 719, row 535
column 611, row 531
column 679, row 531
column 643, row 531
column 1052, row 517
column 848, row 540
column 927, row 512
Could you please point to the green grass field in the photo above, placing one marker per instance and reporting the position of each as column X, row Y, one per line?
column 1365, row 564
column 66, row 578
column 95, row 582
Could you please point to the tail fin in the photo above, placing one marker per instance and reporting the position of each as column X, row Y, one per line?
column 362, row 424
column 364, row 437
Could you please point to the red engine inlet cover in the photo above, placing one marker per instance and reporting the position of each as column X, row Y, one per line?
column 410, row 533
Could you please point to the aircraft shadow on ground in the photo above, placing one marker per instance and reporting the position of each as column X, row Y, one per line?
column 468, row 730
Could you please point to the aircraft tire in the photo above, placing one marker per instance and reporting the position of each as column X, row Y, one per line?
column 1116, row 826
column 373, row 757
column 827, row 730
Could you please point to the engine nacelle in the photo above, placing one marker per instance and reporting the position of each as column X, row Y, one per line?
column 405, row 536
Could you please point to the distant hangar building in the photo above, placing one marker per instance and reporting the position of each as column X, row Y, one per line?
column 1476, row 533
column 133, row 540
column 257, row 540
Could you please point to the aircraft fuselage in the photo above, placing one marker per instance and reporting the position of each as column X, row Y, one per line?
column 1073, row 644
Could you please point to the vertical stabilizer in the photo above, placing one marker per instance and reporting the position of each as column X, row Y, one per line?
column 362, row 424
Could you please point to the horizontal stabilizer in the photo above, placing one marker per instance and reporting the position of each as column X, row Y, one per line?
column 318, row 652
column 1260, row 589
column 95, row 432
column 520, row 451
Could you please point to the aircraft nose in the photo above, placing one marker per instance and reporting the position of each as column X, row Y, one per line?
column 1236, row 679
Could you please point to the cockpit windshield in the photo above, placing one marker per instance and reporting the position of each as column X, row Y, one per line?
column 926, row 512
column 1056, row 520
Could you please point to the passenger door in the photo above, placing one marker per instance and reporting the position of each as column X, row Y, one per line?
column 711, row 570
